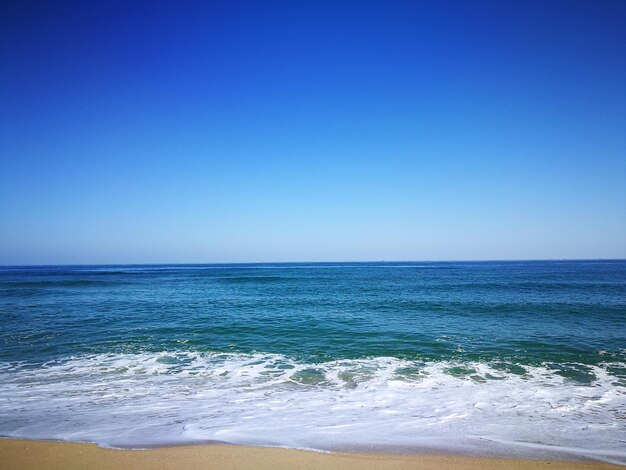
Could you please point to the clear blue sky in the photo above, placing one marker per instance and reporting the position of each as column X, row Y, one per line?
column 311, row 130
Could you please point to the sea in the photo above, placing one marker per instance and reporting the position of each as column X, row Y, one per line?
column 519, row 359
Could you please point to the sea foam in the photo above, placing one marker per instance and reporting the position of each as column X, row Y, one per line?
column 376, row 404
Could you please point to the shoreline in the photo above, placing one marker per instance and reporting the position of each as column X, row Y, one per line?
column 24, row 453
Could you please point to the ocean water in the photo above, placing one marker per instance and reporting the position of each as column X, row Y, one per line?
column 491, row 358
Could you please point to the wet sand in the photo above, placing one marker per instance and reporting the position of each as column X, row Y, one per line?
column 25, row 454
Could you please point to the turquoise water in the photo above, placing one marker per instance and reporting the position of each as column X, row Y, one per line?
column 505, row 358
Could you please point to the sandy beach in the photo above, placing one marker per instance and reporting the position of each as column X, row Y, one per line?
column 26, row 454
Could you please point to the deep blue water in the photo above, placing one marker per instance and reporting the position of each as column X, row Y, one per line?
column 542, row 324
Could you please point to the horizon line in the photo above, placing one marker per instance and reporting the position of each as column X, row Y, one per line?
column 241, row 263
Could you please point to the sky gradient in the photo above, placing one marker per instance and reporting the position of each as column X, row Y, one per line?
column 311, row 131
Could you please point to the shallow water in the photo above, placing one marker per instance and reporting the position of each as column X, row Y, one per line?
column 499, row 358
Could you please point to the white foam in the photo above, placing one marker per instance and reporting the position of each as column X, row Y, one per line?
column 139, row 400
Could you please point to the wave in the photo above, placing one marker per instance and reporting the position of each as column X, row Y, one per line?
column 251, row 279
column 55, row 283
column 382, row 403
